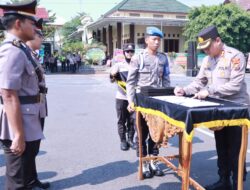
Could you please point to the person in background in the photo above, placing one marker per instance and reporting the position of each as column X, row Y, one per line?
column 35, row 46
column 125, row 121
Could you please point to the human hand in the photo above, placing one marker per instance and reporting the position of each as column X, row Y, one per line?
column 178, row 91
column 18, row 145
column 201, row 95
column 131, row 107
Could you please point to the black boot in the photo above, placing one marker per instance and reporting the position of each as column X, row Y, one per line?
column 132, row 144
column 155, row 169
column 124, row 146
column 39, row 185
column 223, row 184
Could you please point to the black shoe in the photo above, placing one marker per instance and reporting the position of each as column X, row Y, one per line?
column 146, row 171
column 132, row 144
column 39, row 184
column 155, row 169
column 124, row 146
column 222, row 184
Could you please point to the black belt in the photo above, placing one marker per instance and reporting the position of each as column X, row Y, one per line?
column 26, row 99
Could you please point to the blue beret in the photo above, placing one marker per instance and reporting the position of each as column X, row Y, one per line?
column 153, row 31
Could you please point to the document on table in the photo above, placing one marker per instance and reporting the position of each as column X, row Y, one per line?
column 185, row 101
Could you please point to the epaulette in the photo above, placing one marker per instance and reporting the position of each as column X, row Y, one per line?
column 16, row 43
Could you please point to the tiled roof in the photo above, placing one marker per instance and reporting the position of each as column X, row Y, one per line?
column 40, row 12
column 163, row 6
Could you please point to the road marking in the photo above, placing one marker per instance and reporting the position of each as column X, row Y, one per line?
column 212, row 135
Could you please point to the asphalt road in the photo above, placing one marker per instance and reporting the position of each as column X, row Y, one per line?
column 82, row 151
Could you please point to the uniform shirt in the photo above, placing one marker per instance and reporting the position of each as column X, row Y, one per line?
column 154, row 72
column 120, row 67
column 43, row 104
column 223, row 76
column 17, row 73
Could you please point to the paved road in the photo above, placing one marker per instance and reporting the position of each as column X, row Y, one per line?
column 81, row 150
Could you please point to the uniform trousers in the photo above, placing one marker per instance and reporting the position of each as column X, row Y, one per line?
column 125, row 121
column 228, row 143
column 34, row 175
column 149, row 147
column 20, row 169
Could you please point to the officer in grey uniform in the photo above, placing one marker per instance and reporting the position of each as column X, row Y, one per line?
column 125, row 119
column 20, row 127
column 221, row 75
column 149, row 68
column 35, row 46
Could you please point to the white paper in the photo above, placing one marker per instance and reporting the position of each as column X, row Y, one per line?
column 185, row 101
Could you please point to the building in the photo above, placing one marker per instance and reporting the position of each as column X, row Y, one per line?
column 127, row 22
column 244, row 4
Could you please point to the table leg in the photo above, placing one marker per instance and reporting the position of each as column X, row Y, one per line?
column 242, row 156
column 186, row 162
column 180, row 151
column 139, row 136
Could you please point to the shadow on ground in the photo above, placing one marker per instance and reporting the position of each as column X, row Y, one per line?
column 98, row 175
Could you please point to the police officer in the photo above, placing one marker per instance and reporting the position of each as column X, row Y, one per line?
column 149, row 68
column 35, row 46
column 125, row 119
column 221, row 75
column 21, row 130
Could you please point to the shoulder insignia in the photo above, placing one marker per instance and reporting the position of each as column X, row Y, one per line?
column 223, row 53
column 16, row 43
column 236, row 63
column 207, row 65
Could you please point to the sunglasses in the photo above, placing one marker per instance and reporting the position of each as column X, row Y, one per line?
column 130, row 51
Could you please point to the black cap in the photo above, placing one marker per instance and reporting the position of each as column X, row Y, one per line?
column 39, row 23
column 206, row 36
column 128, row 46
column 27, row 10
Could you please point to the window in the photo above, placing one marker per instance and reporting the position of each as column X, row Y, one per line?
column 180, row 16
column 134, row 14
column 171, row 45
column 157, row 16
column 138, row 34
column 141, row 42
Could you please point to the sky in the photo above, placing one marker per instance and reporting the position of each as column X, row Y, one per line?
column 67, row 9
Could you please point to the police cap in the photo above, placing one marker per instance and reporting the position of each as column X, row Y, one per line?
column 39, row 23
column 27, row 10
column 128, row 46
column 206, row 36
column 153, row 31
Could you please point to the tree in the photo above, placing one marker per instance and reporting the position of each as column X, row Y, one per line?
column 71, row 26
column 232, row 22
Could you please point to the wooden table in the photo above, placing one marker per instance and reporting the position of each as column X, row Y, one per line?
column 146, row 106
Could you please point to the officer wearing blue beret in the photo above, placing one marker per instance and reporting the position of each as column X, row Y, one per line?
column 149, row 68
column 222, row 75
column 21, row 129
